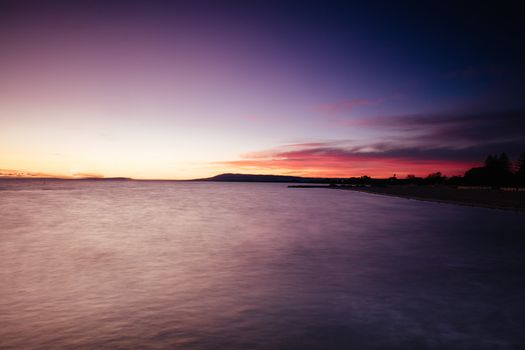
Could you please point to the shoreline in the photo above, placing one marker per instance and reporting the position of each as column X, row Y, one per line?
column 491, row 199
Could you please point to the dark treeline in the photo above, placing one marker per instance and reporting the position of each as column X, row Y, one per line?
column 498, row 171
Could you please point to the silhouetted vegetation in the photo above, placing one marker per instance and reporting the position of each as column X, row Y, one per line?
column 497, row 171
column 520, row 169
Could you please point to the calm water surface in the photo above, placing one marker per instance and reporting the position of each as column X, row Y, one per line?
column 167, row 265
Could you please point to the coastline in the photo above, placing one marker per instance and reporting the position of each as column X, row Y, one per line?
column 483, row 198
column 492, row 199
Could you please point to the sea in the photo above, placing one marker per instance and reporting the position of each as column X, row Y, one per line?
column 205, row 265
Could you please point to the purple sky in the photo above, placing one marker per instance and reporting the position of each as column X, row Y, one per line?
column 158, row 89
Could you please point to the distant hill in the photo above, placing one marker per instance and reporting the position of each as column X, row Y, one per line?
column 265, row 178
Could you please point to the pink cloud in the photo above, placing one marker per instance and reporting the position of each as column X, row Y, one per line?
column 342, row 106
column 330, row 161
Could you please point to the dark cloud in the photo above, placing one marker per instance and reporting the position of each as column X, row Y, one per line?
column 459, row 134
column 451, row 143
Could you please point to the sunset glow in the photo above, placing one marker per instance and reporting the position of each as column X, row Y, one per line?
column 182, row 91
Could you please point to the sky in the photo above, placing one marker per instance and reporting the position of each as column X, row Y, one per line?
column 191, row 89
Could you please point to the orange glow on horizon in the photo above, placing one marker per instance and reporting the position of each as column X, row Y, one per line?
column 311, row 168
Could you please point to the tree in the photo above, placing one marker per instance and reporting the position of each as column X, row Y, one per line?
column 491, row 161
column 520, row 171
column 504, row 164
column 477, row 176
column 496, row 172
column 521, row 165
column 498, row 169
column 435, row 178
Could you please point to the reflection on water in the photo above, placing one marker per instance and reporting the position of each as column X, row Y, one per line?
column 165, row 265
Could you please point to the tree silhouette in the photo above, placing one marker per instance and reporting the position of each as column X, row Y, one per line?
column 499, row 164
column 521, row 164
column 435, row 178
column 520, row 171
column 497, row 171
column 491, row 161
column 504, row 164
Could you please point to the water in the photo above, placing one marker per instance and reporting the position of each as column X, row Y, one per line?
column 167, row 265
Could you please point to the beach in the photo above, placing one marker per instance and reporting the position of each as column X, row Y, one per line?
column 487, row 198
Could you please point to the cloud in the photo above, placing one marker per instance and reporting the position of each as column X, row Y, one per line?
column 414, row 144
column 24, row 174
column 378, row 160
column 342, row 106
column 500, row 128
column 36, row 174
